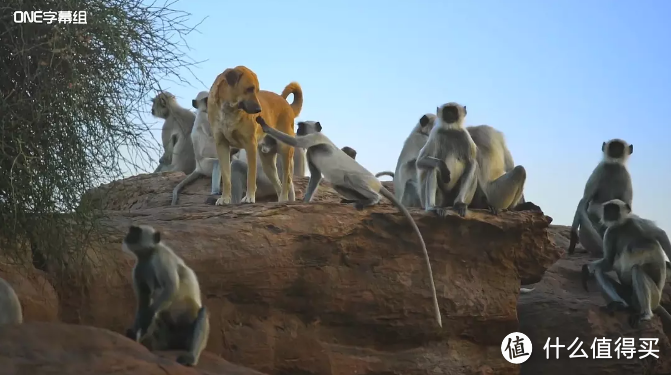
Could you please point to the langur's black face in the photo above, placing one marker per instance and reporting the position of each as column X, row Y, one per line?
column 611, row 212
column 308, row 127
column 450, row 114
column 139, row 239
column 615, row 150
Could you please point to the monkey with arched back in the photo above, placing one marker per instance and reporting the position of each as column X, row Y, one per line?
column 178, row 152
column 170, row 314
column 10, row 306
column 348, row 177
column 609, row 180
column 472, row 166
column 634, row 248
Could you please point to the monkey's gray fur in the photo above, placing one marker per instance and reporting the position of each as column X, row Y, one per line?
column 177, row 147
column 207, row 163
column 170, row 314
column 635, row 249
column 10, row 306
column 477, row 165
column 406, row 185
column 347, row 176
column 609, row 180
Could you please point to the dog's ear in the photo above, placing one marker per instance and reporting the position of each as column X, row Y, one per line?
column 232, row 77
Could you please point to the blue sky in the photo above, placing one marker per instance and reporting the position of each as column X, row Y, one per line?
column 557, row 77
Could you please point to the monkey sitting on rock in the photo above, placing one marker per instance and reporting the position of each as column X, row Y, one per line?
column 170, row 315
column 636, row 249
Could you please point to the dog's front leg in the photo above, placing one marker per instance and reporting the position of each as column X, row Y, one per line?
column 224, row 156
column 252, row 160
column 287, row 154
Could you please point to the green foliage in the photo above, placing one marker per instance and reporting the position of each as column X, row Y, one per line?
column 71, row 96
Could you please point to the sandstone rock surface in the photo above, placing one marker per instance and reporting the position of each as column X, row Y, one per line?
column 64, row 349
column 559, row 308
column 325, row 289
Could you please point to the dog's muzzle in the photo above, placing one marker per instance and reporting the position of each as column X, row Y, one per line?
column 250, row 107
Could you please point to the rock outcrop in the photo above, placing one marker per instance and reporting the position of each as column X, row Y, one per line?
column 324, row 289
column 559, row 308
column 64, row 349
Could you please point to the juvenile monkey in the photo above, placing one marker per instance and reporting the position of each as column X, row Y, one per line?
column 177, row 147
column 10, row 306
column 476, row 160
column 268, row 145
column 348, row 177
column 205, row 153
column 635, row 249
column 170, row 315
column 609, row 180
column 406, row 188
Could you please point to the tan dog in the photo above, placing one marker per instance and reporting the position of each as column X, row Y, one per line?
column 233, row 104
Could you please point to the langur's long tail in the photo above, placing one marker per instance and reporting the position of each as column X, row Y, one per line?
column 385, row 173
column 387, row 194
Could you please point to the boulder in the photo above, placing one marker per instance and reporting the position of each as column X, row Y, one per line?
column 322, row 288
column 155, row 190
column 39, row 301
column 65, row 349
column 559, row 308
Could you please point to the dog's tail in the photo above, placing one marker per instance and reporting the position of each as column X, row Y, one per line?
column 297, row 104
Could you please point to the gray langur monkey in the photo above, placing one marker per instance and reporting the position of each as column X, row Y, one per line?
column 177, row 147
column 467, row 166
column 170, row 314
column 636, row 249
column 406, row 187
column 348, row 177
column 609, row 180
column 207, row 163
column 264, row 188
column 10, row 306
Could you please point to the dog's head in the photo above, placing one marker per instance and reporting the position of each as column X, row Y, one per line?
column 200, row 103
column 239, row 88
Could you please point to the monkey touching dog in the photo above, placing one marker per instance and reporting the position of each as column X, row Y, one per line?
column 177, row 147
column 268, row 145
column 170, row 315
column 10, row 307
column 205, row 154
column 609, row 180
column 348, row 177
column 635, row 249
column 235, row 100
column 467, row 166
